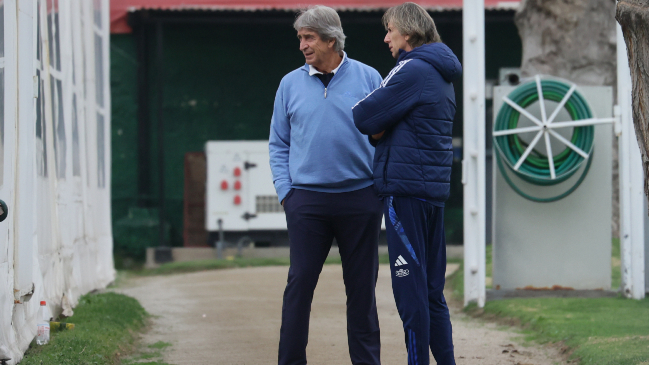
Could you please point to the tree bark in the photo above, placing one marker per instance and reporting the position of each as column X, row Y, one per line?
column 633, row 16
column 574, row 40
column 571, row 39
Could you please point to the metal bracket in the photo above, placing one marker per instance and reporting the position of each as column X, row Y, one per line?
column 4, row 210
column 617, row 113
column 248, row 216
column 464, row 172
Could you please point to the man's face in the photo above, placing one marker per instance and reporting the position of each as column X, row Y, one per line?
column 396, row 41
column 315, row 50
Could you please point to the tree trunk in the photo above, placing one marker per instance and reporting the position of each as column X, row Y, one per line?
column 574, row 40
column 571, row 39
column 633, row 16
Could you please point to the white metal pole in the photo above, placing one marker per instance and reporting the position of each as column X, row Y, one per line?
column 631, row 184
column 473, row 164
column 106, row 241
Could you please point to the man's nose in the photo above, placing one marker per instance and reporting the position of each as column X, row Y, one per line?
column 303, row 46
column 386, row 39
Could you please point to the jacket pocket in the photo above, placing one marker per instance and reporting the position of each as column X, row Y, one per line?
column 385, row 167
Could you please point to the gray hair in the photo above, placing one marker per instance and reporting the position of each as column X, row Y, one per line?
column 414, row 21
column 324, row 21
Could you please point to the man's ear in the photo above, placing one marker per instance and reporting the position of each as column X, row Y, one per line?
column 332, row 43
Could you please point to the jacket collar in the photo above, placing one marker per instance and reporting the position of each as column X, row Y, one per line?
column 312, row 71
column 402, row 54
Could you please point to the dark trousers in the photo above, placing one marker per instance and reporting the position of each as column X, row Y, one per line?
column 314, row 219
column 417, row 246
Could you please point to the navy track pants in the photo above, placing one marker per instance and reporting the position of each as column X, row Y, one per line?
column 416, row 242
column 314, row 219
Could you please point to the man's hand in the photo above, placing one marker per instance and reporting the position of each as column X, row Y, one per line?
column 378, row 136
column 282, row 203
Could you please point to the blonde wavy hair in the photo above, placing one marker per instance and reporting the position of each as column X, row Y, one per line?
column 414, row 21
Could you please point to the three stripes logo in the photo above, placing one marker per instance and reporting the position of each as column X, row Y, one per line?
column 401, row 272
column 400, row 261
column 396, row 69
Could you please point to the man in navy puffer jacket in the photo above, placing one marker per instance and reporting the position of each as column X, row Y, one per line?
column 409, row 120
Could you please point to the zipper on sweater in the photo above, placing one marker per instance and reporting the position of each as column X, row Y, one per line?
column 325, row 87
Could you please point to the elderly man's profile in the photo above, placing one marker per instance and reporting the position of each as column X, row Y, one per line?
column 322, row 171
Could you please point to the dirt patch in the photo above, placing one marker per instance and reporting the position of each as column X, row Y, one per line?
column 233, row 317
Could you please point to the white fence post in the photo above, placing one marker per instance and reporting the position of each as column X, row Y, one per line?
column 473, row 164
column 632, row 196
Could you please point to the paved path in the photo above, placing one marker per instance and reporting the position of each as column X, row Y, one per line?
column 232, row 317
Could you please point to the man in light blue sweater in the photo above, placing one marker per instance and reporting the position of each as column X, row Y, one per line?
column 322, row 170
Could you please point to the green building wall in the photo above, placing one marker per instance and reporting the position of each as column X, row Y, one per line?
column 219, row 84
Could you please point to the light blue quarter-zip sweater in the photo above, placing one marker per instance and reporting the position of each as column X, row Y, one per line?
column 313, row 142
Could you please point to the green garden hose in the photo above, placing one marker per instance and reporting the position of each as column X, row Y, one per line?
column 536, row 168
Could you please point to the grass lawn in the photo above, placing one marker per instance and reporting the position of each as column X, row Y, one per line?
column 210, row 264
column 594, row 331
column 233, row 262
column 106, row 327
column 602, row 331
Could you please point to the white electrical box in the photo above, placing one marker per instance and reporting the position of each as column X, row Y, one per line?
column 240, row 190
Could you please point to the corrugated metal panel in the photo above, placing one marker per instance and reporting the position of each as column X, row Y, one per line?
column 120, row 8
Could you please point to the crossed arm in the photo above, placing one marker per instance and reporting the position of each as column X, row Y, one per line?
column 388, row 104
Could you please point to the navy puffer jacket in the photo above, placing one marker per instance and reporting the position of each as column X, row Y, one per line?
column 415, row 106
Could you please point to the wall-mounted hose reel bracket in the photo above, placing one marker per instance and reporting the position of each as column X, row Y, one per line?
column 524, row 159
column 552, row 185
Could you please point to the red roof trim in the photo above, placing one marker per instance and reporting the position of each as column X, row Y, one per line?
column 120, row 8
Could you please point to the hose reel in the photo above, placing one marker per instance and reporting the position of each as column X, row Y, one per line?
column 522, row 158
